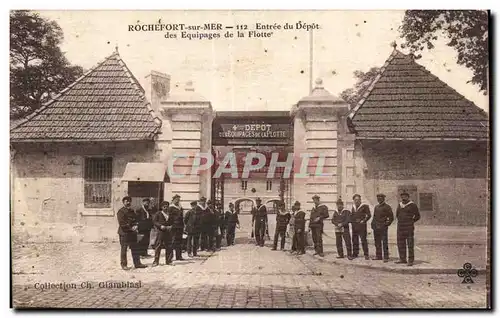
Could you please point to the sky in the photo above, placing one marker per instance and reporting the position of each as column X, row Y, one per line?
column 253, row 73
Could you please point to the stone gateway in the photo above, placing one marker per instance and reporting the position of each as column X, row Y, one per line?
column 72, row 160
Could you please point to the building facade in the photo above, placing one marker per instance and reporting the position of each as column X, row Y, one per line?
column 105, row 136
column 415, row 133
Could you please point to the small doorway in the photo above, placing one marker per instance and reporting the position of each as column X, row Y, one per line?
column 146, row 180
column 140, row 190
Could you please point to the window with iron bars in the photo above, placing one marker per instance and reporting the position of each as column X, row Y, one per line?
column 97, row 182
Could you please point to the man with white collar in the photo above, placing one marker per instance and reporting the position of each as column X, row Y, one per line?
column 359, row 216
column 318, row 213
column 175, row 212
column 340, row 220
column 407, row 214
column 232, row 221
column 259, row 219
column 382, row 218
column 282, row 219
column 299, row 229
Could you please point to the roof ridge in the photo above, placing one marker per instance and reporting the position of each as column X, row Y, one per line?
column 141, row 92
column 58, row 95
column 368, row 91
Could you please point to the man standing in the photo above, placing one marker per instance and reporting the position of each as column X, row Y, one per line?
column 232, row 221
column 154, row 208
column 164, row 224
column 210, row 223
column 259, row 219
column 175, row 212
column 282, row 219
column 291, row 226
column 127, row 231
column 407, row 214
column 382, row 218
column 341, row 221
column 202, row 211
column 299, row 229
column 359, row 216
column 223, row 228
column 318, row 213
column 218, row 226
column 192, row 222
column 145, row 219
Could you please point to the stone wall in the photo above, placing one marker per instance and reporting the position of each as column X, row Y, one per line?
column 454, row 172
column 48, row 184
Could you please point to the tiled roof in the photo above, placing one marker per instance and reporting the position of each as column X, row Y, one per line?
column 106, row 103
column 406, row 101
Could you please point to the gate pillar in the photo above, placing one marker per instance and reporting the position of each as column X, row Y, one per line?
column 187, row 119
column 319, row 121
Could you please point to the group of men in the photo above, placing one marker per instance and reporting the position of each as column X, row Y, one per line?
column 203, row 227
column 344, row 220
column 295, row 221
column 407, row 213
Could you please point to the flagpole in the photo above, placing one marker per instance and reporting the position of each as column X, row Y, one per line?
column 310, row 61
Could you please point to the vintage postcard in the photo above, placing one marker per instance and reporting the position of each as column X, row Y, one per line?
column 250, row 159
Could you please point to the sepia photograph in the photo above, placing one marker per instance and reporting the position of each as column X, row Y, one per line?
column 239, row 159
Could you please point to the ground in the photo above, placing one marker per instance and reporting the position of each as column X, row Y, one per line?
column 240, row 276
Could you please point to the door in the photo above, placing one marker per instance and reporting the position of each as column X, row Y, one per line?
column 140, row 190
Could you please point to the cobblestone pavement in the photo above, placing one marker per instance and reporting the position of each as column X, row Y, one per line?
column 240, row 276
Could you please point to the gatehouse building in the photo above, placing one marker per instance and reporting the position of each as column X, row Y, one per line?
column 106, row 136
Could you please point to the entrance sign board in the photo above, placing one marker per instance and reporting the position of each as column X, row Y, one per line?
column 271, row 131
column 260, row 129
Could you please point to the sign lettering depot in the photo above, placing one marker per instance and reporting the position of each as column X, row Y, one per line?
column 254, row 131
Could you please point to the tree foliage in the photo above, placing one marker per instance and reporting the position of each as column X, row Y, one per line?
column 464, row 30
column 364, row 79
column 38, row 67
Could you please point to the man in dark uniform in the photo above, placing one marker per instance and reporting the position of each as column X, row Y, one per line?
column 259, row 220
column 232, row 221
column 282, row 219
column 218, row 226
column 210, row 226
column 299, row 229
column 223, row 227
column 164, row 224
column 341, row 221
column 192, row 228
column 382, row 218
column 127, row 231
column 202, row 210
column 407, row 214
column 359, row 216
column 175, row 212
column 318, row 213
column 145, row 219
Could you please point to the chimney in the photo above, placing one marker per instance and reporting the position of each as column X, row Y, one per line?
column 157, row 88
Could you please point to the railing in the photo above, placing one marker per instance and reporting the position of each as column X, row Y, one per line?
column 97, row 194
